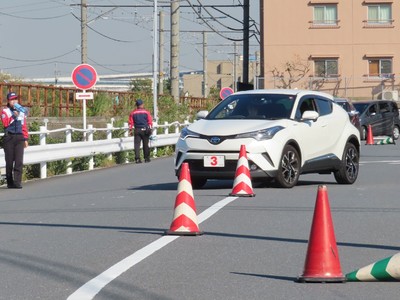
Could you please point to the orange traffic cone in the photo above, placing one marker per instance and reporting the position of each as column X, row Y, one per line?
column 242, row 186
column 322, row 262
column 185, row 217
column 370, row 137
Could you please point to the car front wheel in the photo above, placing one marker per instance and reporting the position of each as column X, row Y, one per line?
column 363, row 133
column 396, row 132
column 348, row 170
column 289, row 168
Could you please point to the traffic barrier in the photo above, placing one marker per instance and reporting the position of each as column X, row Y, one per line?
column 384, row 141
column 370, row 136
column 242, row 186
column 387, row 269
column 185, row 218
column 322, row 261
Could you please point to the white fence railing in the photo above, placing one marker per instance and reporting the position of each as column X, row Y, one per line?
column 44, row 153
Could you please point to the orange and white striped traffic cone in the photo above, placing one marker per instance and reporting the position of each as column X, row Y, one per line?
column 242, row 186
column 185, row 217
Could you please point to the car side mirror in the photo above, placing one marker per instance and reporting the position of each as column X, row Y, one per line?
column 353, row 113
column 310, row 115
column 201, row 114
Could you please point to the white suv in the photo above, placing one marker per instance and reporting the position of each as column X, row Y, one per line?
column 286, row 133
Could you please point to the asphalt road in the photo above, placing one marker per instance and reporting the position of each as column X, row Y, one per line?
column 104, row 231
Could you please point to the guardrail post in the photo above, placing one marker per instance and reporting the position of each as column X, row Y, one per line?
column 43, row 164
column 177, row 127
column 109, row 137
column 154, row 137
column 166, row 128
column 126, row 134
column 90, row 139
column 68, row 140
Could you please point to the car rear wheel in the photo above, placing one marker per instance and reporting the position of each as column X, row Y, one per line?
column 349, row 166
column 289, row 168
column 198, row 182
column 396, row 132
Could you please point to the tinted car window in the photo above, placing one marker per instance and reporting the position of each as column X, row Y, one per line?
column 372, row 109
column 384, row 107
column 324, row 107
column 360, row 107
column 304, row 105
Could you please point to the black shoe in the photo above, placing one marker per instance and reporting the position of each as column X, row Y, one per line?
column 14, row 186
column 138, row 161
column 147, row 160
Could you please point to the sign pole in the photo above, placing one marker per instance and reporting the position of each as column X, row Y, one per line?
column 84, row 117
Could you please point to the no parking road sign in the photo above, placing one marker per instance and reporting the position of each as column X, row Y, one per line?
column 225, row 92
column 84, row 77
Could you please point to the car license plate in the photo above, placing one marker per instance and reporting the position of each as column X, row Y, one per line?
column 214, row 161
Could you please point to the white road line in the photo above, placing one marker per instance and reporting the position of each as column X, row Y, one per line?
column 90, row 289
column 379, row 161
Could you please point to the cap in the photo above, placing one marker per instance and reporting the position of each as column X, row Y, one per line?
column 139, row 102
column 12, row 96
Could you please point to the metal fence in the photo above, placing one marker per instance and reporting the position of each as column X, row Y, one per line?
column 54, row 101
column 44, row 153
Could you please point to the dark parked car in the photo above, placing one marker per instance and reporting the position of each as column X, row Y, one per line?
column 382, row 115
column 354, row 115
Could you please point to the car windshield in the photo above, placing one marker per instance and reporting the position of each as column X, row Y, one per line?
column 360, row 107
column 254, row 106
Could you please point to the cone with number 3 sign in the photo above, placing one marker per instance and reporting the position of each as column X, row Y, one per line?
column 242, row 186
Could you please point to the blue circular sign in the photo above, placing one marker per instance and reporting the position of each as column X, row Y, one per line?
column 225, row 92
column 84, row 76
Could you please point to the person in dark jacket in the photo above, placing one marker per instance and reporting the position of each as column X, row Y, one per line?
column 15, row 140
column 140, row 119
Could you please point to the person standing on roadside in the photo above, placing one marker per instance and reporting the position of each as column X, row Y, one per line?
column 15, row 140
column 140, row 119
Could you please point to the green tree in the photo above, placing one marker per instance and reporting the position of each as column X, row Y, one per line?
column 141, row 85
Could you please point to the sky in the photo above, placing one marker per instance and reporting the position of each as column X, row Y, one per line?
column 41, row 38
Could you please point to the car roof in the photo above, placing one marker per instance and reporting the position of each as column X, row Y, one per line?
column 285, row 92
column 371, row 101
column 341, row 100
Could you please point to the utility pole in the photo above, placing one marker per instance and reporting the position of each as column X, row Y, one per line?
column 234, row 66
column 155, row 61
column 246, row 37
column 175, row 50
column 83, row 32
column 161, row 54
column 205, row 71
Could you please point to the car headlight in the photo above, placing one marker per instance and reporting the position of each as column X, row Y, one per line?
column 188, row 133
column 264, row 134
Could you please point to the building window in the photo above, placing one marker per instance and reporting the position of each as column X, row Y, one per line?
column 379, row 14
column 380, row 67
column 327, row 68
column 325, row 15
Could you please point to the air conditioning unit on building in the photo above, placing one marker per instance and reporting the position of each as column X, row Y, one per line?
column 390, row 95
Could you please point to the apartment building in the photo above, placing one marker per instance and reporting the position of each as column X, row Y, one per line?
column 350, row 48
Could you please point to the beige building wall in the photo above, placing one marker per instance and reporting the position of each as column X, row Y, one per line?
column 220, row 74
column 289, row 32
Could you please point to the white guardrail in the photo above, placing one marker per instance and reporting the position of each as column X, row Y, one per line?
column 44, row 153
